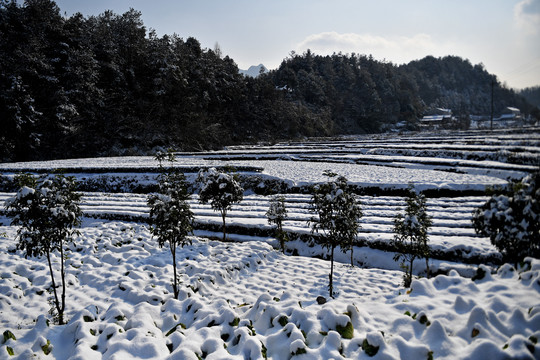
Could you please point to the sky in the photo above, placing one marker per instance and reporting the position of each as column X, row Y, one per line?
column 504, row 35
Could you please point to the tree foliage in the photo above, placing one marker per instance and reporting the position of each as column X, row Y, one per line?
column 171, row 217
column 512, row 220
column 277, row 212
column 106, row 85
column 47, row 212
column 338, row 216
column 220, row 189
column 411, row 234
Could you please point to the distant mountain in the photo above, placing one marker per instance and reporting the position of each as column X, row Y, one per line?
column 253, row 70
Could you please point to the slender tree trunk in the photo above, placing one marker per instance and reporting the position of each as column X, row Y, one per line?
column 63, row 278
column 175, row 279
column 352, row 255
column 331, row 285
column 223, row 215
column 427, row 253
column 410, row 272
column 281, row 237
column 56, row 302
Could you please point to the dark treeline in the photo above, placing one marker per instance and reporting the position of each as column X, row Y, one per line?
column 532, row 95
column 105, row 85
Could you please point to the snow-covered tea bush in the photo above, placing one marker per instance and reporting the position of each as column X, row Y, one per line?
column 338, row 217
column 411, row 234
column 171, row 217
column 47, row 210
column 276, row 214
column 221, row 190
column 512, row 221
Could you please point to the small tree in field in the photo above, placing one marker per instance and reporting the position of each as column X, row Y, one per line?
column 512, row 221
column 171, row 217
column 338, row 219
column 47, row 210
column 411, row 234
column 276, row 214
column 221, row 190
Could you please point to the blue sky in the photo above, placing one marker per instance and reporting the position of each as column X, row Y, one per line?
column 502, row 34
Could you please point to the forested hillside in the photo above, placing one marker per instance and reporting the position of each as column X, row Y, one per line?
column 105, row 85
column 454, row 83
column 532, row 95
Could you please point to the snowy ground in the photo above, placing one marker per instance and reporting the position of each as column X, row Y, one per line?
column 245, row 300
column 248, row 301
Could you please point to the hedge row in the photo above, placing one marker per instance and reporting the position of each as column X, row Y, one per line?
column 454, row 255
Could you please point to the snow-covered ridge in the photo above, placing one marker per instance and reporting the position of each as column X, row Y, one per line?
column 254, row 70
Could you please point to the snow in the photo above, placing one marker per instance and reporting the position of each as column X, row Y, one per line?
column 254, row 70
column 120, row 304
column 246, row 300
column 25, row 191
column 304, row 173
column 451, row 233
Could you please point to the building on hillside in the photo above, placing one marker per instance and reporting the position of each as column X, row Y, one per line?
column 510, row 113
column 509, row 117
column 437, row 118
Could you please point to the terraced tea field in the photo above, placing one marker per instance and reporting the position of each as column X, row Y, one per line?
column 243, row 299
column 451, row 236
column 452, row 169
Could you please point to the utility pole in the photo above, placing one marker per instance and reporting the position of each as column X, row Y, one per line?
column 492, row 85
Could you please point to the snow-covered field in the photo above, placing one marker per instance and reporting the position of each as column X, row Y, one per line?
column 248, row 301
column 245, row 300
column 298, row 173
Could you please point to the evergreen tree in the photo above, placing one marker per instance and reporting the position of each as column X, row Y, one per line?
column 79, row 75
column 47, row 210
column 277, row 212
column 411, row 234
column 221, row 190
column 18, row 137
column 171, row 217
column 512, row 220
column 338, row 217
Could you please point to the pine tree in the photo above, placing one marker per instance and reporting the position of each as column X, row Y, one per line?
column 47, row 210
column 338, row 218
column 171, row 217
column 411, row 234
column 18, row 139
column 276, row 214
column 221, row 190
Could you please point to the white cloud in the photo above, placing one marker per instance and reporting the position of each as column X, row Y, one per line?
column 398, row 49
column 527, row 16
